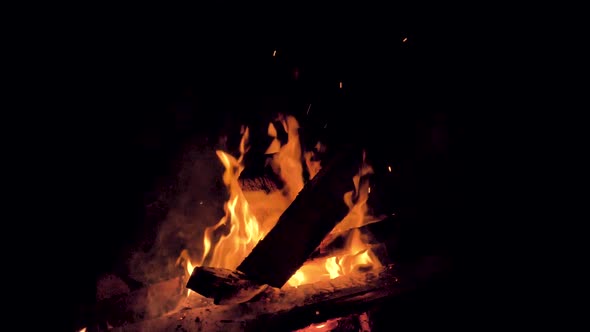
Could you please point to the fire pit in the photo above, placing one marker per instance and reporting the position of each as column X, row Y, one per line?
column 295, row 250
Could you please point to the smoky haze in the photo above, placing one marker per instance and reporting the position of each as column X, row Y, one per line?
column 194, row 202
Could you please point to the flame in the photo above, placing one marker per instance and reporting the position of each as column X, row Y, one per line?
column 328, row 325
column 357, row 253
column 244, row 230
column 241, row 229
column 313, row 165
column 287, row 162
column 83, row 329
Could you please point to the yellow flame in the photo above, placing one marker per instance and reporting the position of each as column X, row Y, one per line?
column 244, row 231
column 239, row 227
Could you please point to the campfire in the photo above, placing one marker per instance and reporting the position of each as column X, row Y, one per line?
column 293, row 251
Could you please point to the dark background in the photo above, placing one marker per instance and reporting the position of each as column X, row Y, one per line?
column 129, row 89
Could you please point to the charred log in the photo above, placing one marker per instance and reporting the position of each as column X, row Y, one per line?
column 232, row 287
column 304, row 224
column 335, row 242
column 294, row 308
column 258, row 175
column 223, row 285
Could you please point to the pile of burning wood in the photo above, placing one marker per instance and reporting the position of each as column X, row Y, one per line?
column 317, row 266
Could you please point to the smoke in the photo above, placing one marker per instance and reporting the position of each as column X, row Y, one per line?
column 193, row 201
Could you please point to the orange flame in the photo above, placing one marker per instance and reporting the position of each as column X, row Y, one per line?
column 357, row 253
column 242, row 229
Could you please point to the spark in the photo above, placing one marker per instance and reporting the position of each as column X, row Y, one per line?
column 340, row 84
column 389, row 168
column 274, row 53
column 308, row 108
column 405, row 39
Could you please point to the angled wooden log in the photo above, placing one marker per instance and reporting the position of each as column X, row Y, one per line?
column 318, row 207
column 336, row 241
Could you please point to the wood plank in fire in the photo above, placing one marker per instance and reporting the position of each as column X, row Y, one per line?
column 318, row 207
column 295, row 308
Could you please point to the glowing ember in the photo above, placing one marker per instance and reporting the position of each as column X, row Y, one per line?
column 325, row 326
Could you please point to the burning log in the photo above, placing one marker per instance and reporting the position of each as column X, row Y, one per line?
column 258, row 175
column 304, row 224
column 294, row 308
column 223, row 285
column 334, row 242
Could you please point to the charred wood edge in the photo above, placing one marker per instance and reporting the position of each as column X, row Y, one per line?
column 392, row 282
column 334, row 242
column 265, row 183
column 134, row 306
column 226, row 286
column 294, row 308
column 304, row 224
column 258, row 175
column 223, row 285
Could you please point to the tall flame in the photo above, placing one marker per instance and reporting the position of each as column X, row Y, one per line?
column 242, row 231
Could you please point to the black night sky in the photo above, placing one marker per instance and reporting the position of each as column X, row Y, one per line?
column 141, row 87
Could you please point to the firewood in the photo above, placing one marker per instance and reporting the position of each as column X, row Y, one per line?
column 223, row 285
column 318, row 207
column 258, row 175
column 335, row 242
column 293, row 308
